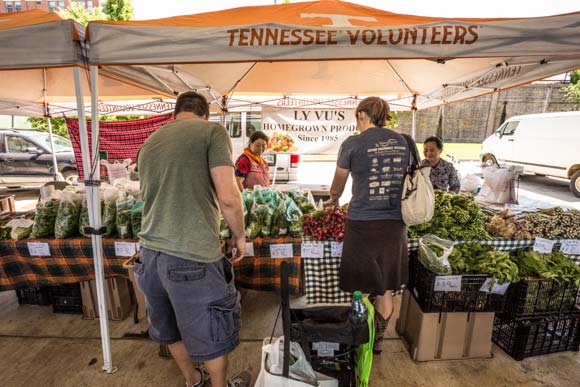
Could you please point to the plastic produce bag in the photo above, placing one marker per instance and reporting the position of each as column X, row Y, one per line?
column 20, row 228
column 434, row 254
column 470, row 183
column 117, row 170
column 136, row 218
column 303, row 199
column 253, row 224
column 498, row 186
column 300, row 372
column 109, row 210
column 264, row 214
column 293, row 217
column 279, row 223
column 45, row 217
column 264, row 195
column 124, row 206
column 67, row 217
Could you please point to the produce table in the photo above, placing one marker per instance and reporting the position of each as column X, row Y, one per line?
column 262, row 272
column 321, row 275
column 71, row 261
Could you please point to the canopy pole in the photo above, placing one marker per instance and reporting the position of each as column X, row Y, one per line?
column 56, row 173
column 414, row 125
column 94, row 208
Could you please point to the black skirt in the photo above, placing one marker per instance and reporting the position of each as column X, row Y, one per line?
column 375, row 256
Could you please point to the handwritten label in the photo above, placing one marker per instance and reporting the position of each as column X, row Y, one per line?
column 496, row 289
column 125, row 249
column 336, row 249
column 39, row 249
column 312, row 250
column 325, row 349
column 544, row 246
column 281, row 250
column 570, row 247
column 447, row 283
column 249, row 249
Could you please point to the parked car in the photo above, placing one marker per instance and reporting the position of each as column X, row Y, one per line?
column 545, row 144
column 26, row 158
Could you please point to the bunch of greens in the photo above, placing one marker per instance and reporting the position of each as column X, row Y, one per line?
column 45, row 218
column 67, row 217
column 555, row 265
column 456, row 217
column 124, row 206
column 303, row 199
column 293, row 217
column 474, row 258
column 109, row 210
column 136, row 218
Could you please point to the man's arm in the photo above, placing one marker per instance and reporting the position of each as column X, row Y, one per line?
column 337, row 187
column 230, row 202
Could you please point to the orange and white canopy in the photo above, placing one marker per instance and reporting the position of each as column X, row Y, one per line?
column 335, row 47
column 38, row 50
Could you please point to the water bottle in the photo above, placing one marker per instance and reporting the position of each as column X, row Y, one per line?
column 358, row 312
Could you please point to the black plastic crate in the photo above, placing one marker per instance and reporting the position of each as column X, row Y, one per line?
column 533, row 337
column 540, row 298
column 66, row 299
column 33, row 296
column 469, row 299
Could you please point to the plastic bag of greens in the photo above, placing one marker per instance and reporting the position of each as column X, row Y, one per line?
column 117, row 170
column 279, row 223
column 253, row 225
column 109, row 210
column 225, row 232
column 124, row 206
column 45, row 217
column 303, row 199
column 434, row 254
column 20, row 228
column 264, row 195
column 136, row 218
column 245, row 213
column 265, row 213
column 293, row 217
column 67, row 217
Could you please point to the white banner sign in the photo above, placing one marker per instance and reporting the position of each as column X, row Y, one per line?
column 308, row 131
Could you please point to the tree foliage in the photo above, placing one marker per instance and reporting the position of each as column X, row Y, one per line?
column 79, row 13
column 573, row 89
column 118, row 10
column 59, row 123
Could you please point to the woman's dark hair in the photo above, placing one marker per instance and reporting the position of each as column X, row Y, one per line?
column 377, row 109
column 258, row 135
column 438, row 142
column 192, row 102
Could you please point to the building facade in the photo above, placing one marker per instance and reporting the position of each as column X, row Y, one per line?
column 7, row 6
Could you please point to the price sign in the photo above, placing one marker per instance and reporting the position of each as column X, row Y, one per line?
column 39, row 249
column 125, row 249
column 336, row 249
column 325, row 349
column 249, row 249
column 544, row 246
column 282, row 250
column 496, row 289
column 312, row 250
column 570, row 247
column 447, row 283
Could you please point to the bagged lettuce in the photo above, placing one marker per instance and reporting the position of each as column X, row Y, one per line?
column 279, row 223
column 293, row 217
column 45, row 217
column 123, row 207
column 303, row 199
column 67, row 216
column 136, row 218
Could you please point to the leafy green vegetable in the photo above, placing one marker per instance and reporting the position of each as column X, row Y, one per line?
column 67, row 217
column 45, row 218
column 124, row 206
column 136, row 218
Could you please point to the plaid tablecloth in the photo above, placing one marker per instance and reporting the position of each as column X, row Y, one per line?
column 262, row 272
column 71, row 261
column 321, row 275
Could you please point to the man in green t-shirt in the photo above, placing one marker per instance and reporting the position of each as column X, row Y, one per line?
column 187, row 176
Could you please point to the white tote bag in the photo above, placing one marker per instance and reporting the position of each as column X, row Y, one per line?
column 418, row 202
column 301, row 373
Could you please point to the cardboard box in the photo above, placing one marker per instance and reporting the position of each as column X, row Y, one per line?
column 117, row 294
column 444, row 336
column 139, row 297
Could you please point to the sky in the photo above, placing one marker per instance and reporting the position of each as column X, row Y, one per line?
column 154, row 9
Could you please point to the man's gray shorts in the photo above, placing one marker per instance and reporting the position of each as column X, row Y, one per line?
column 190, row 301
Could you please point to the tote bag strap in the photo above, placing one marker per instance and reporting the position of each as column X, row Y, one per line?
column 414, row 158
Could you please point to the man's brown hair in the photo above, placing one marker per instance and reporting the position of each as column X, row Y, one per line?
column 377, row 109
column 192, row 102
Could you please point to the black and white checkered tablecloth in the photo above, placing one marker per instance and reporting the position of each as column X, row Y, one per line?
column 321, row 274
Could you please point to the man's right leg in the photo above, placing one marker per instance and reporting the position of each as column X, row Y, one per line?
column 218, row 369
column 179, row 353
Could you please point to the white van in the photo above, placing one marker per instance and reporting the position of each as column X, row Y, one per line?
column 283, row 166
column 544, row 144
